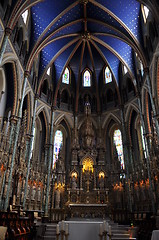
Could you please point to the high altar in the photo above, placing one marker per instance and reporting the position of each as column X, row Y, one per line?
column 84, row 190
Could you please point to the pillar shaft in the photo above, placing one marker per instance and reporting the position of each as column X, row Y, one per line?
column 30, row 151
column 46, row 156
column 15, row 143
column 152, row 104
column 49, row 163
column 147, row 156
column 125, row 150
column 2, row 189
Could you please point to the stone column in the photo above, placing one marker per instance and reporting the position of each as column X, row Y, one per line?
column 50, row 159
column 30, row 150
column 2, row 188
column 13, row 121
column 148, row 155
column 146, row 70
column 81, row 178
column 126, row 157
column 94, row 173
column 124, row 140
column 128, row 152
column 16, row 140
column 8, row 32
column 46, row 155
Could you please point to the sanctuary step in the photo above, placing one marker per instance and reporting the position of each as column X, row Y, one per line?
column 89, row 229
column 122, row 232
column 50, row 232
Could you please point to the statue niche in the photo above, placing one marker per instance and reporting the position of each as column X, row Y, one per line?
column 88, row 174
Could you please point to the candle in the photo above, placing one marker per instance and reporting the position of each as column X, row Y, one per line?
column 66, row 229
column 57, row 229
column 110, row 230
column 62, row 225
column 104, row 226
column 100, row 229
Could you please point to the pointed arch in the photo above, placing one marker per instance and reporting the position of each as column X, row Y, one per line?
column 109, row 117
column 68, row 122
column 131, row 106
column 44, row 110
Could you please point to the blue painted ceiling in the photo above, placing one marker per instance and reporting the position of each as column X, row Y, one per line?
column 107, row 30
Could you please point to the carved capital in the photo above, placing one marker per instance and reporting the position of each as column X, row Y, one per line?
column 13, row 119
column 26, row 73
column 53, row 108
column 8, row 31
column 146, row 70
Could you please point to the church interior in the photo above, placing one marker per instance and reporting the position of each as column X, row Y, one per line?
column 79, row 119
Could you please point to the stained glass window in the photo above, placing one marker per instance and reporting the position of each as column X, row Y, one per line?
column 66, row 76
column 108, row 75
column 58, row 140
column 119, row 146
column 48, row 71
column 145, row 12
column 143, row 141
column 87, row 79
column 25, row 16
column 125, row 69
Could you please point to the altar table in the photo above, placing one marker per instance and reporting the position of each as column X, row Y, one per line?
column 83, row 230
column 155, row 235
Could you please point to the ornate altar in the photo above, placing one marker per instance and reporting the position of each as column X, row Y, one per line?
column 87, row 191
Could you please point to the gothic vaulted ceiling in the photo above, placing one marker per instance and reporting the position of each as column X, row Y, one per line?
column 88, row 34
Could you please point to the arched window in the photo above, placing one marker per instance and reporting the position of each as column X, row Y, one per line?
column 108, row 75
column 25, row 16
column 48, row 71
column 66, row 76
column 117, row 138
column 33, row 142
column 143, row 141
column 86, row 79
column 125, row 69
column 145, row 12
column 58, row 141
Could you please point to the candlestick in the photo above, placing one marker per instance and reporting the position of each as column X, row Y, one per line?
column 66, row 229
column 104, row 226
column 57, row 229
column 110, row 233
column 110, row 230
column 62, row 225
column 100, row 229
column 107, row 226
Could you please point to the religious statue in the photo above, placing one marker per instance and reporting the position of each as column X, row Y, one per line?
column 101, row 182
column 39, row 194
column 33, row 192
column 74, row 183
column 28, row 191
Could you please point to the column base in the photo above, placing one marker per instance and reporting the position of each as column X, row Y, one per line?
column 45, row 219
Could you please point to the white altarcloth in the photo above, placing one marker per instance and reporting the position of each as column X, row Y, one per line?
column 155, row 235
column 83, row 230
